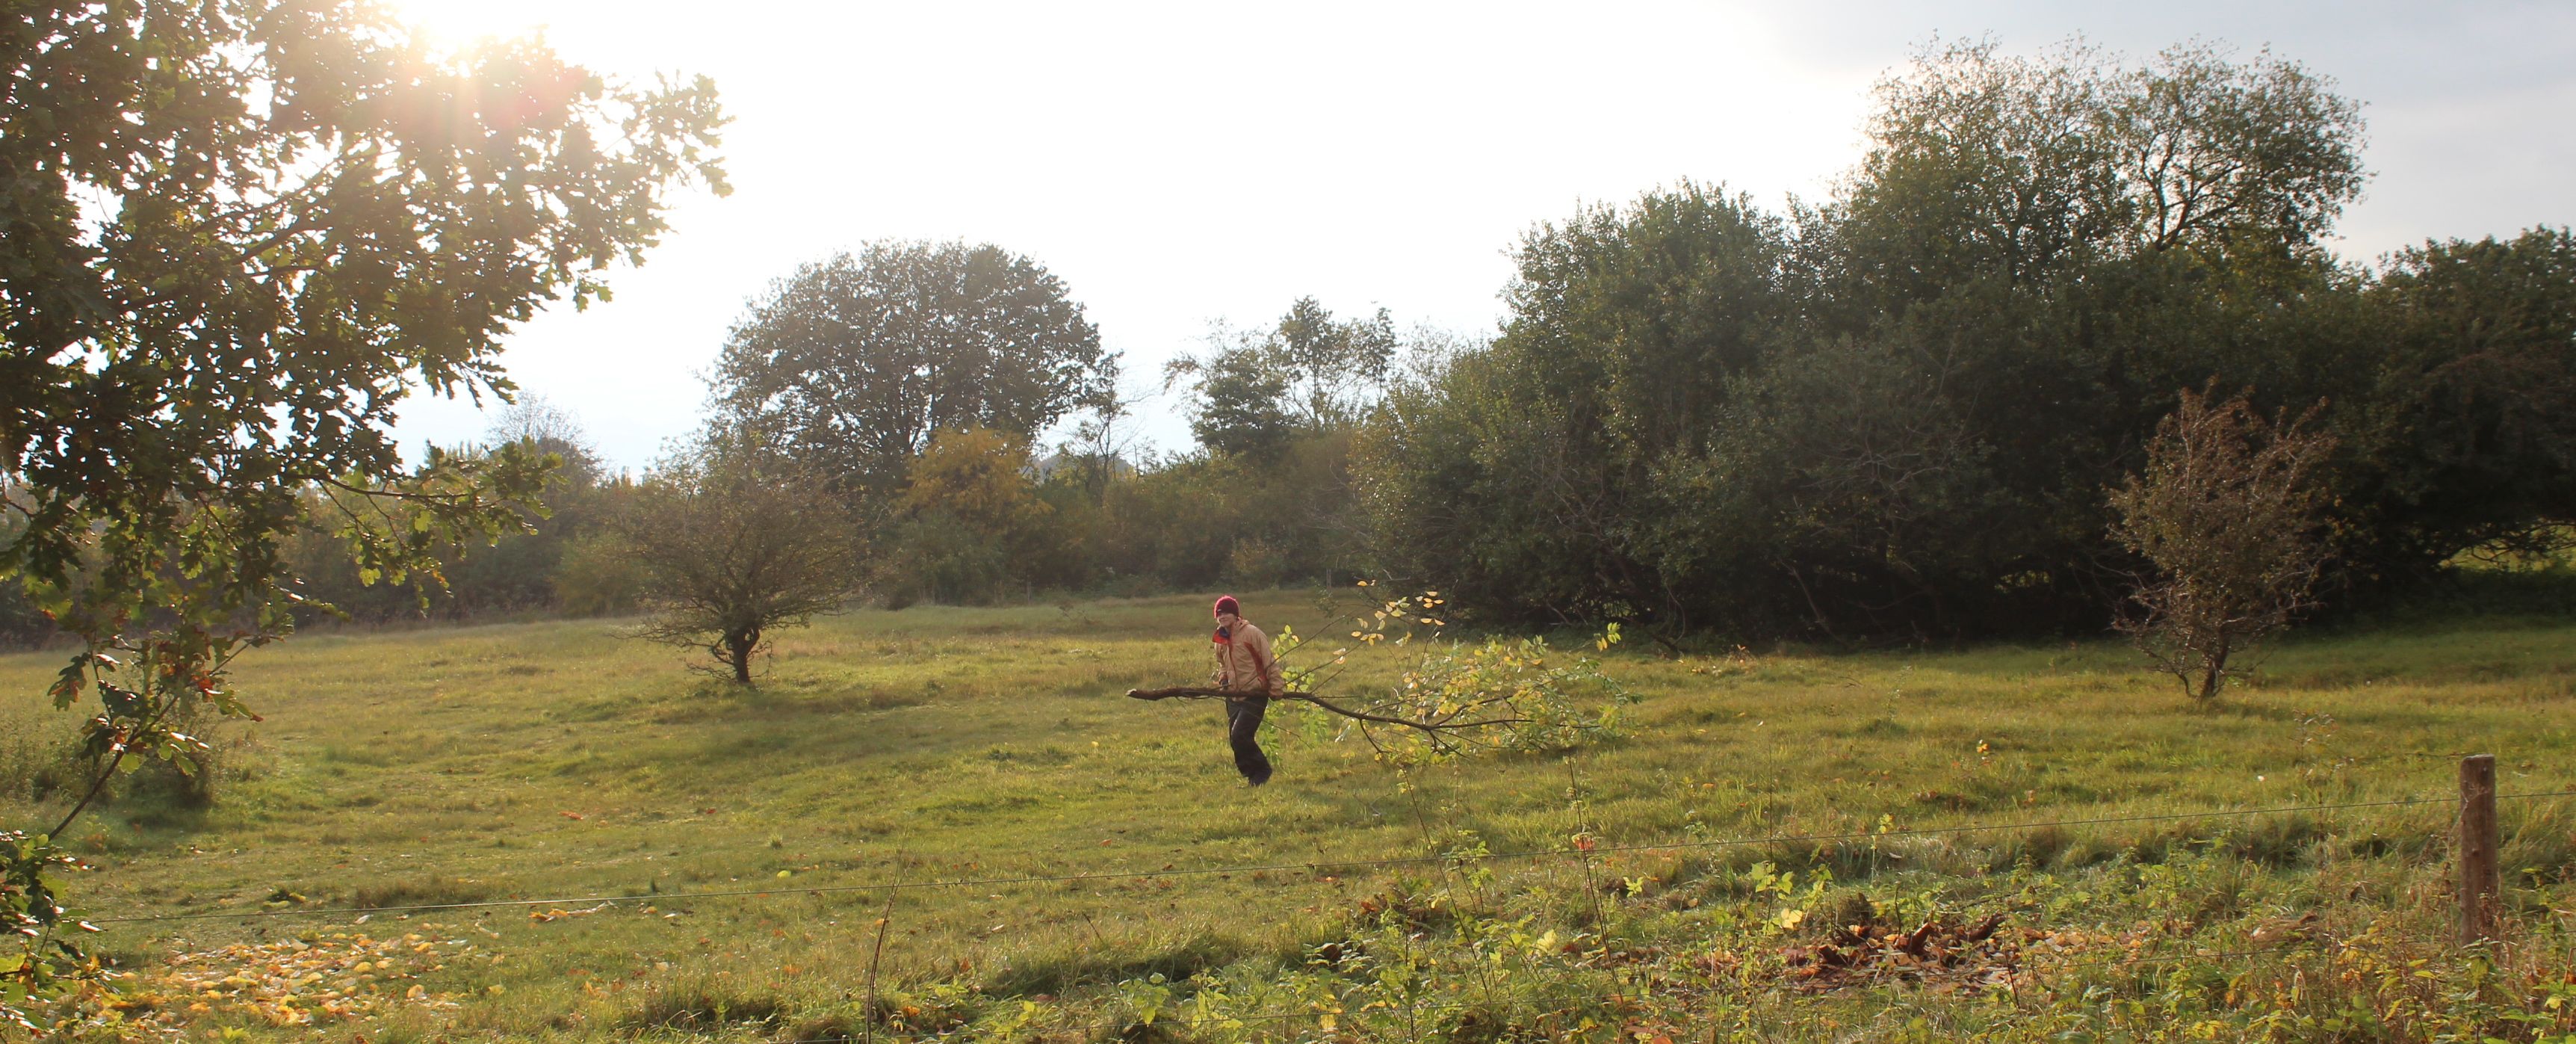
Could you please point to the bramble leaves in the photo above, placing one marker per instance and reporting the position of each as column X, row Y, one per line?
column 29, row 911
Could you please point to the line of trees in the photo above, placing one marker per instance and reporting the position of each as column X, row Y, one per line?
column 1899, row 412
column 911, row 387
column 1905, row 411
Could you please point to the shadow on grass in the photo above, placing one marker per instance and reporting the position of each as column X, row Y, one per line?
column 702, row 1004
column 1176, row 959
column 418, row 891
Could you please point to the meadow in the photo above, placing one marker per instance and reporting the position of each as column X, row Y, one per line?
column 1759, row 855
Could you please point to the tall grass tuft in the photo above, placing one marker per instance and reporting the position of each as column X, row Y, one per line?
column 418, row 891
column 1176, row 956
column 701, row 1003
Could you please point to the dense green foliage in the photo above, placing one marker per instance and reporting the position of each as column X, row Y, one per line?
column 559, row 558
column 1897, row 413
column 858, row 362
column 1309, row 374
column 309, row 220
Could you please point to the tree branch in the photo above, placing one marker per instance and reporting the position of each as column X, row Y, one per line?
column 1437, row 729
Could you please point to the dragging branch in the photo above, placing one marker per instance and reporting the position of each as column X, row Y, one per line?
column 1435, row 727
column 1497, row 694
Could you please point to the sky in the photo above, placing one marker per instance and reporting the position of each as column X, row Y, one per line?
column 1188, row 164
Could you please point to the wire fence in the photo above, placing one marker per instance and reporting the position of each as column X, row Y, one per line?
column 1319, row 867
column 1441, row 1008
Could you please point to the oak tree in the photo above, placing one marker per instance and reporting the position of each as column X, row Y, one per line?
column 860, row 359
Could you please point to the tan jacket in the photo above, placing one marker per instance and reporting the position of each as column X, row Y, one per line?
column 1244, row 664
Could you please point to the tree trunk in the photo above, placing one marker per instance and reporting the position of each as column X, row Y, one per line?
column 738, row 648
column 2216, row 673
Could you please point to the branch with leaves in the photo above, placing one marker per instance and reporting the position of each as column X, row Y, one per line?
column 1442, row 730
column 1459, row 697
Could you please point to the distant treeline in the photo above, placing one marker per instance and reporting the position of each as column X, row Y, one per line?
column 1895, row 412
column 1898, row 412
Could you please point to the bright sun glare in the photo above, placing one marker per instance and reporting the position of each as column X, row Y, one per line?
column 454, row 22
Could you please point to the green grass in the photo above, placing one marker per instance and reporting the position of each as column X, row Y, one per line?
column 554, row 760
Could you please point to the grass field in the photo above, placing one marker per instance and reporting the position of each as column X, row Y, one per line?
column 553, row 761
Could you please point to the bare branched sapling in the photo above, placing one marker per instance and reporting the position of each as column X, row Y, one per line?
column 2231, row 514
column 736, row 543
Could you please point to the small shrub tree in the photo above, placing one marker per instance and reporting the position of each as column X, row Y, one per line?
column 2230, row 514
column 737, row 542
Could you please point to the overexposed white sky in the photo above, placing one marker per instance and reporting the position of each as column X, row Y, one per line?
column 1186, row 163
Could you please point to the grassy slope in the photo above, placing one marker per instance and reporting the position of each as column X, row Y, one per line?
column 943, row 743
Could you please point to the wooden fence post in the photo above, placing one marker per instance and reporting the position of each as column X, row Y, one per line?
column 2481, row 883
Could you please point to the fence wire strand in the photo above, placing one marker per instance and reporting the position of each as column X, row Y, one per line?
column 1317, row 868
column 2022, row 959
column 1421, row 1009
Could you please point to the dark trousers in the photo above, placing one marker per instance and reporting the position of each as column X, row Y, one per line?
column 1243, row 730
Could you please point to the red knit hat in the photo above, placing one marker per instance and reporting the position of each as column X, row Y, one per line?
column 1226, row 604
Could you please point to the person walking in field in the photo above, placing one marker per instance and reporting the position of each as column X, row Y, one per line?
column 1243, row 665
